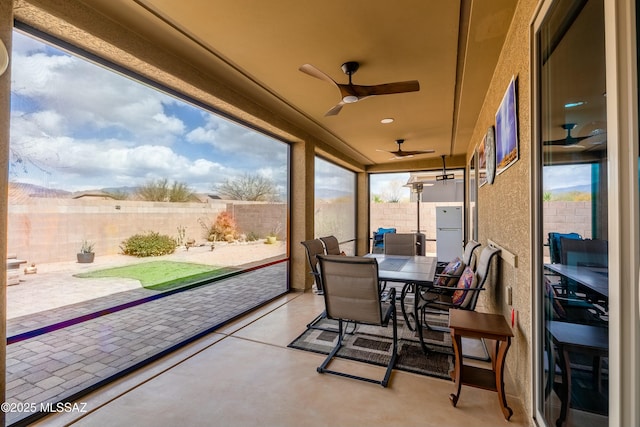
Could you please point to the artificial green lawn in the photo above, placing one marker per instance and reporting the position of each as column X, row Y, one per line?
column 160, row 275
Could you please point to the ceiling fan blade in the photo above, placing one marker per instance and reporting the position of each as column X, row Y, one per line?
column 385, row 89
column 570, row 140
column 351, row 93
column 314, row 72
column 417, row 153
column 400, row 154
column 335, row 110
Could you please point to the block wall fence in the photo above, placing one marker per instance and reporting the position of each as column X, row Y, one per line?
column 44, row 230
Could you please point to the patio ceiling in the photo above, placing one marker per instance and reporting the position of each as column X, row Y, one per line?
column 450, row 47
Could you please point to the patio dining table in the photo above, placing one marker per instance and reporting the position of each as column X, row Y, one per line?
column 406, row 269
column 593, row 280
column 416, row 271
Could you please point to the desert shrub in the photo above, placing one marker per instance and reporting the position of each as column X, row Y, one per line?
column 223, row 228
column 252, row 236
column 150, row 244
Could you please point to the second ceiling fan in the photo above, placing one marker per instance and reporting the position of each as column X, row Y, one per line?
column 351, row 93
column 569, row 140
column 401, row 154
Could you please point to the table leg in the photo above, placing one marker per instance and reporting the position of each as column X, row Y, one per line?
column 565, row 394
column 403, row 294
column 499, row 369
column 419, row 326
column 457, row 373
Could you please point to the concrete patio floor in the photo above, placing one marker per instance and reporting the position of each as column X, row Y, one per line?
column 66, row 360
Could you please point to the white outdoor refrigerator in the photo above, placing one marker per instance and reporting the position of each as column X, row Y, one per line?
column 449, row 237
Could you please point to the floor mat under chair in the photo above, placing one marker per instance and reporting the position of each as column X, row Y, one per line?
column 372, row 344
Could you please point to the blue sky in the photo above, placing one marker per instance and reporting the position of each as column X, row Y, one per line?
column 558, row 177
column 83, row 127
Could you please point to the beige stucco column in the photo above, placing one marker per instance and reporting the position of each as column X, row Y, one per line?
column 362, row 212
column 302, row 215
column 6, row 26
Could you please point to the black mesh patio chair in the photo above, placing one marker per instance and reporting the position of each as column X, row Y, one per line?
column 352, row 294
column 464, row 296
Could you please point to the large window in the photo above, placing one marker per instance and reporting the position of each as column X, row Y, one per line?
column 574, row 286
column 335, row 204
column 411, row 202
column 182, row 215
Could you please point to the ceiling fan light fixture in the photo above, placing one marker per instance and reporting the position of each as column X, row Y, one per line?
column 574, row 104
column 350, row 99
column 387, row 120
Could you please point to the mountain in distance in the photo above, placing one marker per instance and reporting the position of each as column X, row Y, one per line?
column 32, row 190
column 331, row 194
column 585, row 188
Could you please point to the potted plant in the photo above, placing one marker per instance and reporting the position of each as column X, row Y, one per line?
column 273, row 234
column 271, row 238
column 86, row 254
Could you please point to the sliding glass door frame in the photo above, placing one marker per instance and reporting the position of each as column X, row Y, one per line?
column 623, row 213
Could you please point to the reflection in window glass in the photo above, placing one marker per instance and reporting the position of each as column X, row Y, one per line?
column 162, row 196
column 574, row 374
column 472, row 211
column 335, row 204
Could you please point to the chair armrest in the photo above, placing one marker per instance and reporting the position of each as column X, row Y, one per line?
column 388, row 295
column 448, row 276
column 454, row 288
column 576, row 303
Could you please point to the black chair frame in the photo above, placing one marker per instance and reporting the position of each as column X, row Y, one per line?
column 388, row 314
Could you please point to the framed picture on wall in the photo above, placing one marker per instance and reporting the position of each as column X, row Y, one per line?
column 507, row 130
column 482, row 163
column 472, row 191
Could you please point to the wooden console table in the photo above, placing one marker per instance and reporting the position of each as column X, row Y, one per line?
column 494, row 327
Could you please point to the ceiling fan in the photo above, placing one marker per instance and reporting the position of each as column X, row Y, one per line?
column 570, row 140
column 351, row 93
column 400, row 153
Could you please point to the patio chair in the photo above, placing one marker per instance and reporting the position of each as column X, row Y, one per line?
column 378, row 239
column 572, row 310
column 331, row 245
column 464, row 296
column 451, row 271
column 447, row 275
column 401, row 244
column 584, row 253
column 555, row 245
column 313, row 248
column 561, row 287
column 352, row 294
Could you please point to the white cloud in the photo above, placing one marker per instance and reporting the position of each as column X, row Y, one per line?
column 91, row 97
column 84, row 127
column 562, row 176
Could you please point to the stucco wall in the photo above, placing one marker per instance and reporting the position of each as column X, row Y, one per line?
column 51, row 230
column 403, row 217
column 504, row 208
